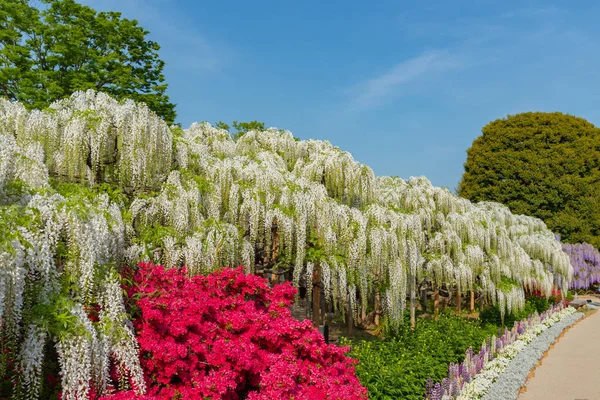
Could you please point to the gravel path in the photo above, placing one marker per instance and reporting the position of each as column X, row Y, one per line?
column 571, row 371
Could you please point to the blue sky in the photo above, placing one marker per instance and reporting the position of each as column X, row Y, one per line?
column 404, row 86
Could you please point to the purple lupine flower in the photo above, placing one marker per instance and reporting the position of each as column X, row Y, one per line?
column 468, row 358
column 428, row 388
column 453, row 370
column 521, row 329
column 437, row 392
column 483, row 355
column 480, row 364
column 445, row 386
column 455, row 389
column 465, row 376
column 504, row 340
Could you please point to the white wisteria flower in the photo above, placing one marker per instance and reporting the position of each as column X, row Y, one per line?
column 266, row 201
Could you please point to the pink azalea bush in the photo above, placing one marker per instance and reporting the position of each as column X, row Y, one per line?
column 229, row 336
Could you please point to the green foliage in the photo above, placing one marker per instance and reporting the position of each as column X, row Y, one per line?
column 14, row 190
column 74, row 190
column 506, row 284
column 397, row 368
column 314, row 251
column 204, row 184
column 48, row 53
column 491, row 315
column 241, row 127
column 539, row 303
column 569, row 295
column 541, row 164
column 153, row 235
column 222, row 125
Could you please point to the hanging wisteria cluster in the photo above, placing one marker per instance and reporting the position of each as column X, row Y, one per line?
column 57, row 256
column 196, row 197
column 90, row 137
column 585, row 260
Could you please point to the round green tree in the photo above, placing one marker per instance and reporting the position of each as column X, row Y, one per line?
column 541, row 164
column 52, row 48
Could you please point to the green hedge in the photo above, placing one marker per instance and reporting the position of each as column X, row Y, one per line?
column 397, row 368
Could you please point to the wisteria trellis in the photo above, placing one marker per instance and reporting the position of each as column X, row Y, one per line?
column 199, row 198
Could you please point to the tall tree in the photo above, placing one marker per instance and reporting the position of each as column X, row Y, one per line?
column 49, row 52
column 541, row 164
column 241, row 127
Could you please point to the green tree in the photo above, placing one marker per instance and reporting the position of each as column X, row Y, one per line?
column 49, row 52
column 241, row 127
column 541, row 164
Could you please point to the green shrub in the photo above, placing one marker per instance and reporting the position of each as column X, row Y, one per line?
column 397, row 368
column 491, row 314
column 540, row 303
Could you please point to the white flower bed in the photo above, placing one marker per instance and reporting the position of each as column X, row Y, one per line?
column 502, row 377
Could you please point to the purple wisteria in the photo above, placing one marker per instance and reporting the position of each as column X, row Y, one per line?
column 460, row 374
column 585, row 260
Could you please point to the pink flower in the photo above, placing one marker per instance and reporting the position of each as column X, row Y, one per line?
column 229, row 336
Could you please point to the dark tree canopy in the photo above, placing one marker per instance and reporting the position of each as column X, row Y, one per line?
column 49, row 52
column 541, row 164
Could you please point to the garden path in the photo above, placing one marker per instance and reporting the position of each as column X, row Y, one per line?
column 571, row 371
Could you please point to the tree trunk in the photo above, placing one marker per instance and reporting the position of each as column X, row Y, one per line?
column 445, row 302
column 458, row 301
column 349, row 318
column 436, row 304
column 481, row 302
column 377, row 298
column 324, row 308
column 472, row 309
column 413, row 321
column 377, row 307
column 424, row 300
column 274, row 247
column 363, row 314
column 316, row 295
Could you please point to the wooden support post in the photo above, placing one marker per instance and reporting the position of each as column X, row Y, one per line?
column 324, row 308
column 458, row 302
column 274, row 249
column 349, row 319
column 472, row 308
column 424, row 300
column 378, row 310
column 316, row 295
column 363, row 314
column 413, row 320
column 436, row 303
column 377, row 307
column 481, row 302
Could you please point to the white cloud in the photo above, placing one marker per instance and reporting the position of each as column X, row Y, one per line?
column 472, row 42
column 377, row 89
